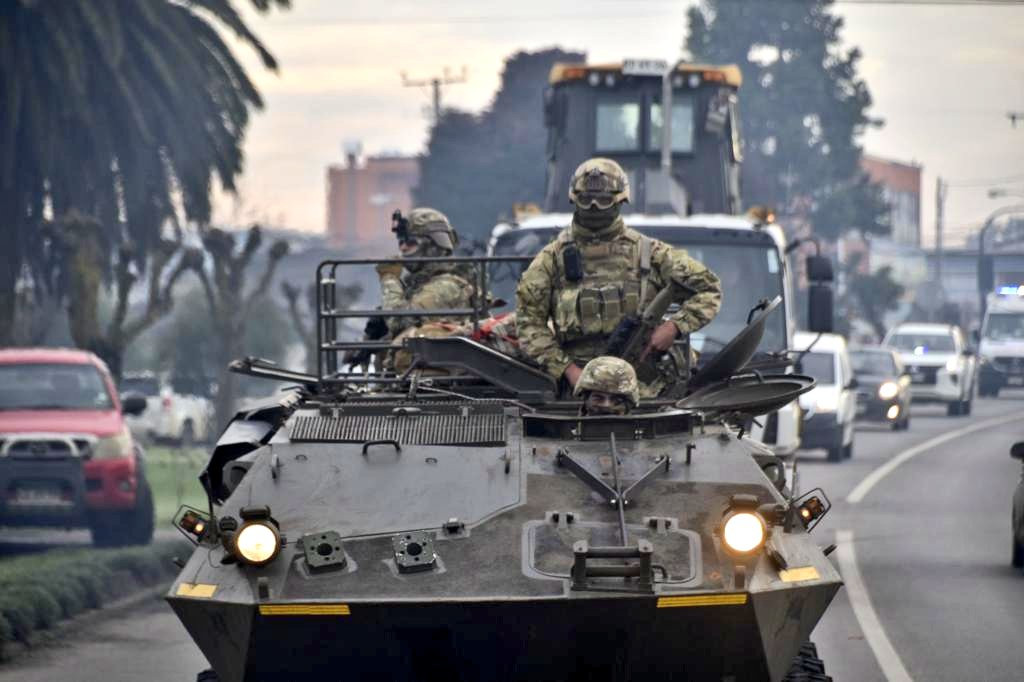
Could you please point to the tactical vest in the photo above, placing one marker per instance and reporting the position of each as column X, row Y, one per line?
column 614, row 285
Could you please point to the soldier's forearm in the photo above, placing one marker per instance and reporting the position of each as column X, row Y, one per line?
column 697, row 312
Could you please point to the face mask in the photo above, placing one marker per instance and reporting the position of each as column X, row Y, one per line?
column 594, row 218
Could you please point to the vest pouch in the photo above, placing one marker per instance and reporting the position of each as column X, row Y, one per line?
column 566, row 314
column 590, row 312
column 611, row 300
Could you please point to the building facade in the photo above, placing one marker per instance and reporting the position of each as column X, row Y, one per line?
column 361, row 196
column 901, row 186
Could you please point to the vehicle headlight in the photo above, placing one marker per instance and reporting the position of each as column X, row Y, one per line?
column 257, row 543
column 826, row 402
column 953, row 365
column 113, row 447
column 744, row 532
column 888, row 390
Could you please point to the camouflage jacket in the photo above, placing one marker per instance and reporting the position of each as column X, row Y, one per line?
column 583, row 314
column 435, row 286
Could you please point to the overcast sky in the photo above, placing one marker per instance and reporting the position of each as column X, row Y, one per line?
column 942, row 77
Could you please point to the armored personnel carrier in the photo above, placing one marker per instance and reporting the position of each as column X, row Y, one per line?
column 460, row 522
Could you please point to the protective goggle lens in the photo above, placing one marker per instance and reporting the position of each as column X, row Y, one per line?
column 601, row 200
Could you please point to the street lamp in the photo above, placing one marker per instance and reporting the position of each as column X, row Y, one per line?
column 998, row 192
column 984, row 286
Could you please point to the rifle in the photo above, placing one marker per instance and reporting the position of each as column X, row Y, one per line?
column 376, row 329
column 631, row 336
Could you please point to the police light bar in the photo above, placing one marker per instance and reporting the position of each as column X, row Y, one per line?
column 1010, row 290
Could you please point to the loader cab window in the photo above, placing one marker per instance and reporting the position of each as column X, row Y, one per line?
column 682, row 125
column 618, row 126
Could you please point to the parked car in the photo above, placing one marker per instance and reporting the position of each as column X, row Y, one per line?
column 883, row 387
column 170, row 416
column 831, row 406
column 942, row 367
column 67, row 458
column 1017, row 514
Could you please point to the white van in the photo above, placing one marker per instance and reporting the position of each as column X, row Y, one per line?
column 831, row 406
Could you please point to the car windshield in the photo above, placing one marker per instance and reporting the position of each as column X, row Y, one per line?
column 820, row 366
column 922, row 343
column 53, row 387
column 749, row 273
column 147, row 386
column 873, row 362
column 1004, row 326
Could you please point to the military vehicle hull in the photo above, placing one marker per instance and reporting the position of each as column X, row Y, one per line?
column 528, row 575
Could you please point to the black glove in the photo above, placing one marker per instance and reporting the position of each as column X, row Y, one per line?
column 376, row 328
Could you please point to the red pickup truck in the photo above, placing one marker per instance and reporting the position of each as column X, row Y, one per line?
column 67, row 459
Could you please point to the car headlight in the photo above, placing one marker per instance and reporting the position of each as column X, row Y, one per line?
column 826, row 402
column 953, row 365
column 257, row 543
column 113, row 447
column 744, row 532
column 888, row 390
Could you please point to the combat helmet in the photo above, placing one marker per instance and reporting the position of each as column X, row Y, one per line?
column 609, row 375
column 599, row 182
column 434, row 225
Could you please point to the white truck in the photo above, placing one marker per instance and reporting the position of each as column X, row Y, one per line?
column 169, row 417
column 1001, row 342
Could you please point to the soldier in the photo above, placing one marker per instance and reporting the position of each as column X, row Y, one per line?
column 598, row 271
column 426, row 233
column 608, row 385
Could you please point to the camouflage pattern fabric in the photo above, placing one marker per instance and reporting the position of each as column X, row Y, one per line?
column 497, row 332
column 431, row 223
column 582, row 314
column 599, row 176
column 400, row 360
column 609, row 375
column 434, row 286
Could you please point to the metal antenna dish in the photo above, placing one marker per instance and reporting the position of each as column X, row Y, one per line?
column 739, row 350
column 748, row 394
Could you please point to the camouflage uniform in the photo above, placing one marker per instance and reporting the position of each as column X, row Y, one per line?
column 609, row 375
column 431, row 285
column 622, row 271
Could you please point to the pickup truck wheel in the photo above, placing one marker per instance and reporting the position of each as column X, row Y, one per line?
column 120, row 528
column 953, row 408
column 1018, row 554
column 209, row 675
column 836, row 451
column 965, row 406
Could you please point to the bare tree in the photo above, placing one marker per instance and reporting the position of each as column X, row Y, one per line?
column 230, row 305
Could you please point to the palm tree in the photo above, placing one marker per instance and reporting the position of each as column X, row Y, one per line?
column 124, row 110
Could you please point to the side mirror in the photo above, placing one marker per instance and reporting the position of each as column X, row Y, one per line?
column 854, row 384
column 976, row 335
column 967, row 352
column 819, row 269
column 1017, row 450
column 133, row 403
column 819, row 308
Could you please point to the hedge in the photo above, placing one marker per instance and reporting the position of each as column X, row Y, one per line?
column 39, row 590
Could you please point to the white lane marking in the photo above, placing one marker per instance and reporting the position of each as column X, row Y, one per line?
column 888, row 660
column 872, row 479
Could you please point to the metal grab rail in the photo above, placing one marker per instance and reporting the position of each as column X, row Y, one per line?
column 329, row 345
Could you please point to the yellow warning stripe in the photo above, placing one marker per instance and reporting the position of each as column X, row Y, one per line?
column 199, row 590
column 702, row 600
column 305, row 610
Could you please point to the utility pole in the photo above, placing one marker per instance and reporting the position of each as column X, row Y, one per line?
column 435, row 84
column 940, row 203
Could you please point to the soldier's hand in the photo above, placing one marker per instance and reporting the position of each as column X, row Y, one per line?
column 572, row 374
column 662, row 338
column 389, row 269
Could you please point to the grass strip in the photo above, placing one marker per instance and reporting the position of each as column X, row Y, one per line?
column 173, row 475
column 39, row 590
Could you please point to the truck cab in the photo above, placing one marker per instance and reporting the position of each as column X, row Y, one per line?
column 1001, row 342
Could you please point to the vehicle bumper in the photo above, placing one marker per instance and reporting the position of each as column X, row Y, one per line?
column 63, row 491
column 877, row 410
column 822, row 430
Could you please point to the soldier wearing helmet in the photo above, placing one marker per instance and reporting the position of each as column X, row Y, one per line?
column 608, row 385
column 597, row 271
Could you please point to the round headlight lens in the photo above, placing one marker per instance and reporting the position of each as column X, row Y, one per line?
column 743, row 532
column 257, row 543
column 888, row 390
column 952, row 365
